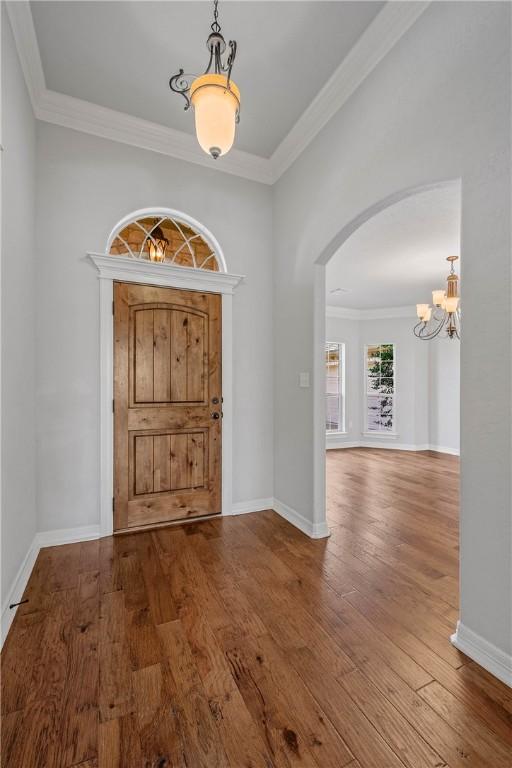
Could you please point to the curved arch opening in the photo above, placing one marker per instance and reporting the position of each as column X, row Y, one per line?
column 352, row 226
column 166, row 235
column 320, row 327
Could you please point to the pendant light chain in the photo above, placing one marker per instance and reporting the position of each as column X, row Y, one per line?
column 215, row 25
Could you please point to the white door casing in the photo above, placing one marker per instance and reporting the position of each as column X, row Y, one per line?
column 127, row 269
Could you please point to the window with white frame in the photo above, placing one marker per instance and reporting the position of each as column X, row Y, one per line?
column 335, row 387
column 380, row 382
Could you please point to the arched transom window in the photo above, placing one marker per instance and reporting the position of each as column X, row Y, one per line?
column 165, row 239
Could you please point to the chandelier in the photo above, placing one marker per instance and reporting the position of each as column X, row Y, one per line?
column 214, row 96
column 445, row 314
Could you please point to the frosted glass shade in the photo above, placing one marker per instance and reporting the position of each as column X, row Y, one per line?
column 427, row 315
column 215, row 110
column 451, row 303
column 421, row 310
column 438, row 298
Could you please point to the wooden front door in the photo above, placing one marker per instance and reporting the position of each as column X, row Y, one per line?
column 167, row 405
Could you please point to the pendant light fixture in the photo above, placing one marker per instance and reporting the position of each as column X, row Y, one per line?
column 214, row 96
column 445, row 314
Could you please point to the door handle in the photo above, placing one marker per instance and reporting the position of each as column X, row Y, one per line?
column 215, row 415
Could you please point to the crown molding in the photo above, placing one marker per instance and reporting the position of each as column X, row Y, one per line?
column 386, row 313
column 343, row 313
column 390, row 24
column 59, row 109
column 22, row 25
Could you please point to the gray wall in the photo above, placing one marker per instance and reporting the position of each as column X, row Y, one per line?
column 18, row 315
column 444, row 400
column 85, row 185
column 437, row 107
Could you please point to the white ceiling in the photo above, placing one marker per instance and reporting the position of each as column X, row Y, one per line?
column 398, row 257
column 121, row 54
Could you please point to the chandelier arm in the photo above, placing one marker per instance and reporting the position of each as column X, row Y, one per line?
column 431, row 334
column 434, row 333
column 415, row 329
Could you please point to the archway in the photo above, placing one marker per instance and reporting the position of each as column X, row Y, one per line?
column 320, row 520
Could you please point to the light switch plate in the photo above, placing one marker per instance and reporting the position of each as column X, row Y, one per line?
column 304, row 379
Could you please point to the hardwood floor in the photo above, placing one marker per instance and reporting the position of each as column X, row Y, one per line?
column 240, row 642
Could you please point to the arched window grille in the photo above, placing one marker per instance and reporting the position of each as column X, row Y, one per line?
column 164, row 239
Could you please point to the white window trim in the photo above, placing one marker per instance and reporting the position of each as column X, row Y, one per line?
column 382, row 435
column 111, row 268
column 342, row 394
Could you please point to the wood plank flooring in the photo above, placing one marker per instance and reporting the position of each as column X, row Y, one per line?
column 241, row 643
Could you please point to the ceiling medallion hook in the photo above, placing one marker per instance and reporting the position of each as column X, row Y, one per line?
column 214, row 96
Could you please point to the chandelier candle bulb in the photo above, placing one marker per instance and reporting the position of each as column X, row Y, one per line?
column 438, row 298
column 451, row 304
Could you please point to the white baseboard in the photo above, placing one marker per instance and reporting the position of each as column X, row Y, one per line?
column 67, row 535
column 443, row 449
column 42, row 539
column 390, row 446
column 254, row 505
column 18, row 587
column 313, row 530
column 491, row 658
column 333, row 444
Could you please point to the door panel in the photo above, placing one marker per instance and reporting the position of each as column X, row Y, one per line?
column 167, row 372
column 168, row 462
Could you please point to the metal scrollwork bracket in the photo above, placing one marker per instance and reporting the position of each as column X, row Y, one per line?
column 180, row 83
